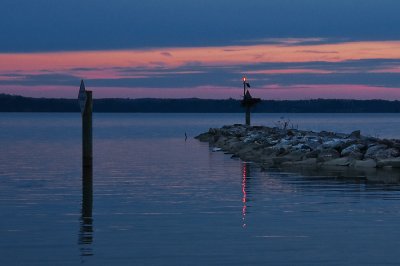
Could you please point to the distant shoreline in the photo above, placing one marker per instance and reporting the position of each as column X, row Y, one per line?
column 12, row 103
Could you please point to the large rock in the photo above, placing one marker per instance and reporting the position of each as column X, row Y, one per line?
column 247, row 149
column 204, row 137
column 327, row 155
column 338, row 162
column 313, row 143
column 307, row 162
column 293, row 156
column 387, row 142
column 338, row 144
column 302, row 147
column 269, row 152
column 279, row 160
column 282, row 151
column 356, row 155
column 251, row 138
column 380, row 152
column 312, row 154
column 332, row 144
column 393, row 162
column 234, row 145
column 369, row 163
column 297, row 155
column 236, row 131
column 389, row 153
column 310, row 162
column 253, row 156
column 373, row 150
column 220, row 142
column 355, row 134
column 354, row 148
column 231, row 145
column 285, row 144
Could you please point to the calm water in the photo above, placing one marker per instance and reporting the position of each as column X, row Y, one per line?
column 158, row 200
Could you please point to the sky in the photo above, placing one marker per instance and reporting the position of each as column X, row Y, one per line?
column 288, row 49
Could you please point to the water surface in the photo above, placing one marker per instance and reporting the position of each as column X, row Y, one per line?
column 161, row 200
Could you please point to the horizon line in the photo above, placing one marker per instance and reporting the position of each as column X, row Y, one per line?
column 196, row 98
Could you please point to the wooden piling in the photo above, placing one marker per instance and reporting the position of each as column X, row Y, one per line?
column 86, row 106
column 87, row 141
column 86, row 230
column 87, row 192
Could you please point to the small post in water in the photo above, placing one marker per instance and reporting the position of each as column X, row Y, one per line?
column 86, row 230
column 86, row 105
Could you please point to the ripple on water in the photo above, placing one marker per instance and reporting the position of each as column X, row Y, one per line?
column 158, row 200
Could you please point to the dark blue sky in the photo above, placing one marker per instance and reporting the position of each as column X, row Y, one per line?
column 201, row 48
column 46, row 25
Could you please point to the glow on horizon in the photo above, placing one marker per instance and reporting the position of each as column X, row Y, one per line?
column 269, row 92
column 108, row 64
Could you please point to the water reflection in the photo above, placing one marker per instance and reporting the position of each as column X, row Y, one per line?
column 359, row 175
column 86, row 222
column 245, row 179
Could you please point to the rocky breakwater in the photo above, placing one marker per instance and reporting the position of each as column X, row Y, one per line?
column 277, row 147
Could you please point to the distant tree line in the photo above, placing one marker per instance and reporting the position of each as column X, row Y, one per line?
column 11, row 103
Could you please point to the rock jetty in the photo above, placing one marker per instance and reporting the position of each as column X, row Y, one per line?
column 280, row 147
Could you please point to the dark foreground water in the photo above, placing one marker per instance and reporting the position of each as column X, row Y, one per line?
column 161, row 200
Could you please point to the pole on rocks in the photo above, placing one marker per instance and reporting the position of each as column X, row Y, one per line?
column 244, row 86
column 248, row 101
column 248, row 115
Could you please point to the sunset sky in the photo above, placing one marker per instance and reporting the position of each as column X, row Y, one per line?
column 288, row 49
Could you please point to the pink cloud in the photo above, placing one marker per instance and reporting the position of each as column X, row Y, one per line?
column 212, row 56
column 157, row 62
column 395, row 69
column 291, row 71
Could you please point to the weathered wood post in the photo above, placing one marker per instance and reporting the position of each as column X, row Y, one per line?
column 86, row 104
column 86, row 230
column 87, row 196
column 248, row 101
